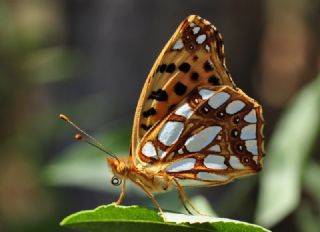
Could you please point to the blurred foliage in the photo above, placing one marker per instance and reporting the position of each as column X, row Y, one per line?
column 290, row 152
column 85, row 166
column 31, row 57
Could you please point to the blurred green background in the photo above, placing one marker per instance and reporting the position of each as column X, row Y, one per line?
column 89, row 60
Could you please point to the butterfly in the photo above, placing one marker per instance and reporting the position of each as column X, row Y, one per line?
column 192, row 127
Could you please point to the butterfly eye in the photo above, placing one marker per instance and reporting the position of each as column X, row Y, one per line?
column 116, row 181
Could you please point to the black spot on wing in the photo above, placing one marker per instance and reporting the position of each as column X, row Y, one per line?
column 184, row 67
column 159, row 95
column 180, row 89
column 214, row 80
column 145, row 127
column 149, row 112
column 208, row 66
column 194, row 76
column 240, row 147
column 162, row 68
column 220, row 114
column 170, row 68
column 234, row 133
column 236, row 120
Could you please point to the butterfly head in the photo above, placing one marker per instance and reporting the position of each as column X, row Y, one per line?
column 119, row 168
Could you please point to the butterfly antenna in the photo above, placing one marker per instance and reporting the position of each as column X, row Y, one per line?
column 84, row 136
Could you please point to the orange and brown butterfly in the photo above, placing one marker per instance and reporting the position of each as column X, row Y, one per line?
column 192, row 126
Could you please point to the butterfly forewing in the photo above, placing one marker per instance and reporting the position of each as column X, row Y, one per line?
column 213, row 136
column 193, row 57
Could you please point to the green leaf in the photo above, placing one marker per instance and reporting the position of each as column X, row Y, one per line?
column 311, row 180
column 288, row 151
column 135, row 218
column 307, row 219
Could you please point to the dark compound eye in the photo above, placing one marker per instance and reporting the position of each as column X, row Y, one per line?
column 116, row 181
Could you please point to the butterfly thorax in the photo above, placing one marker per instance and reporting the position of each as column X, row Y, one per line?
column 153, row 181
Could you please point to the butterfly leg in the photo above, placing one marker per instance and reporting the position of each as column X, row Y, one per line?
column 184, row 195
column 123, row 192
column 138, row 182
column 183, row 203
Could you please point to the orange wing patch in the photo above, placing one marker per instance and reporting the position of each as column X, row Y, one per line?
column 193, row 57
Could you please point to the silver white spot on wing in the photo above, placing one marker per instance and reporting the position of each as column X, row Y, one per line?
column 235, row 163
column 149, row 150
column 251, row 146
column 180, row 151
column 218, row 99
column 248, row 132
column 251, row 117
column 215, row 148
column 178, row 45
column 211, row 176
column 235, row 106
column 170, row 132
column 182, row 165
column 196, row 30
column 214, row 162
column 185, row 110
column 207, row 47
column 255, row 158
column 201, row 38
column 206, row 94
column 200, row 140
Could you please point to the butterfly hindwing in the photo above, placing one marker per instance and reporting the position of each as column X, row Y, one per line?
column 193, row 57
column 213, row 136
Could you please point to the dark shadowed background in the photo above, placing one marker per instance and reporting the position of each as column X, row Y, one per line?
column 89, row 60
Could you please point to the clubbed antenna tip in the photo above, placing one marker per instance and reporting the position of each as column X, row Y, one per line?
column 84, row 136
